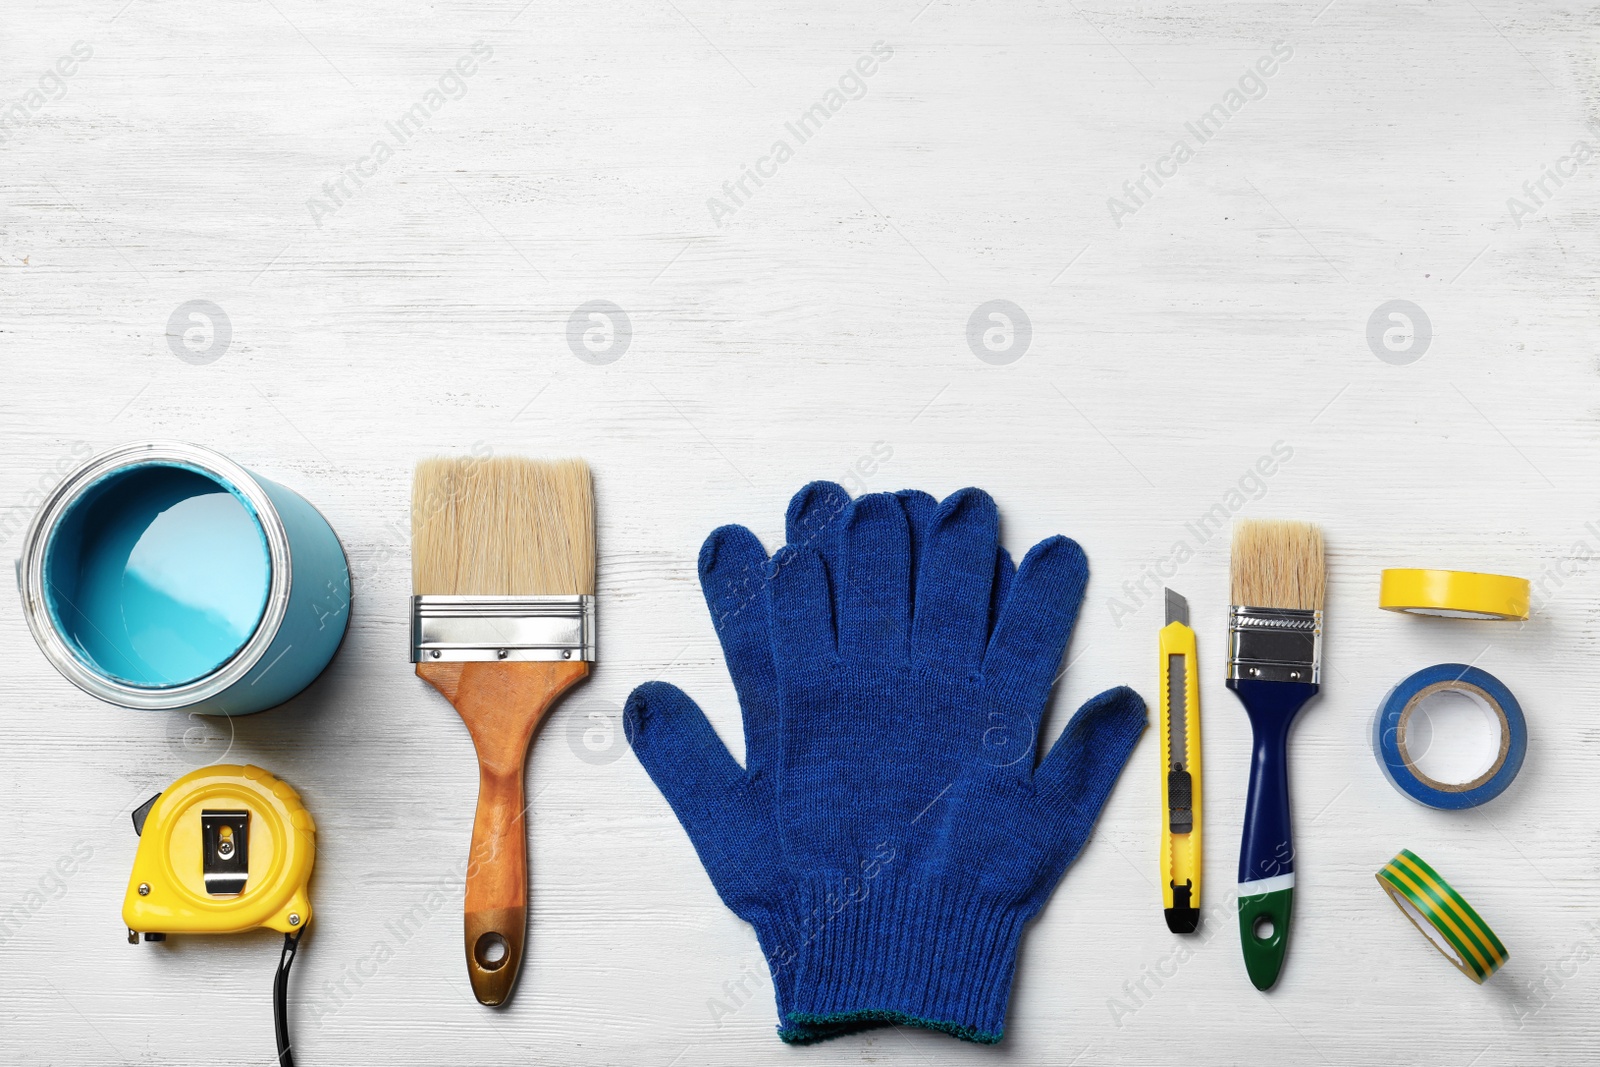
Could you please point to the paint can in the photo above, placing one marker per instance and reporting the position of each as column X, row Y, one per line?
column 167, row 576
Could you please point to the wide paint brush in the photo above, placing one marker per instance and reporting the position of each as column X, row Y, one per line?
column 1274, row 666
column 502, row 572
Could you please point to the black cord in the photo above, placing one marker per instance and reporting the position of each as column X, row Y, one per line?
column 280, row 997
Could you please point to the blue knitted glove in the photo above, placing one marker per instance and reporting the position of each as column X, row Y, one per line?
column 730, row 812
column 922, row 836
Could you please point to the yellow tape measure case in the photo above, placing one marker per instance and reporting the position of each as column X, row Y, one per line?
column 222, row 850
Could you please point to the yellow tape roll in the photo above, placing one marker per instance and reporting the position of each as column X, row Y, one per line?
column 1454, row 594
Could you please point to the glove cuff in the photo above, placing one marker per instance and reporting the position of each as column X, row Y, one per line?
column 791, row 1030
column 908, row 952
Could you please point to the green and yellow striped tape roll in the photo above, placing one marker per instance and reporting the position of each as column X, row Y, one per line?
column 1443, row 916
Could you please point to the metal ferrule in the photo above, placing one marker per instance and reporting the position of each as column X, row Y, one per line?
column 1274, row 645
column 514, row 629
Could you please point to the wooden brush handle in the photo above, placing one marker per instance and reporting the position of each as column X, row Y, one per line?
column 501, row 704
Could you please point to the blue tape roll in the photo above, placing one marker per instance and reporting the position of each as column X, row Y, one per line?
column 1389, row 736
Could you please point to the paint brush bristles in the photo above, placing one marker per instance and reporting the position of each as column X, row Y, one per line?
column 1277, row 565
column 502, row 527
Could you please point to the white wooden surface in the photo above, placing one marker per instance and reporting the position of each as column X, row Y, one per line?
column 824, row 318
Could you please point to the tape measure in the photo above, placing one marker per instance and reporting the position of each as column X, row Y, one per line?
column 1454, row 594
column 224, row 850
column 1392, row 736
column 1443, row 916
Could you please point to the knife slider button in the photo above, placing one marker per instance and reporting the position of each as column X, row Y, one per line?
column 1180, row 801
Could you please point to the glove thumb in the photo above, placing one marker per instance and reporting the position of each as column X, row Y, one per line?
column 729, row 815
column 1075, row 779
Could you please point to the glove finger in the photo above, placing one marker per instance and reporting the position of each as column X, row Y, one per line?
column 733, row 576
column 814, row 516
column 956, row 580
column 920, row 509
column 800, row 606
column 1075, row 779
column 875, row 588
column 1005, row 572
column 707, row 789
column 1036, row 620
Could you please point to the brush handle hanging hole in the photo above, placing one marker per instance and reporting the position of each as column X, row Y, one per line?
column 491, row 951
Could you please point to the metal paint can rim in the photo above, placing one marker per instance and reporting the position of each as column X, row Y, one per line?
column 31, row 564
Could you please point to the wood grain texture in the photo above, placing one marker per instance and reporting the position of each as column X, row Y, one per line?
column 819, row 332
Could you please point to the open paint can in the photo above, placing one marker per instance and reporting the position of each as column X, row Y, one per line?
column 168, row 576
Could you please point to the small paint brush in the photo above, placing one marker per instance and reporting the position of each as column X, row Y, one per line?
column 502, row 618
column 1278, row 582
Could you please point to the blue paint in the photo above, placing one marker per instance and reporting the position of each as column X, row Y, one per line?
column 164, row 575
column 158, row 574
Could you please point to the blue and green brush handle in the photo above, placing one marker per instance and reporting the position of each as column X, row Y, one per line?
column 1266, row 855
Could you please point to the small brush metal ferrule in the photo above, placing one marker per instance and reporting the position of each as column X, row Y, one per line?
column 512, row 629
column 1274, row 645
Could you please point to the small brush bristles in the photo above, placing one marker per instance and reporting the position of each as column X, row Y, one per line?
column 1277, row 565
column 502, row 527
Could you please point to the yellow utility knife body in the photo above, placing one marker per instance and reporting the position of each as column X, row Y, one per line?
column 1180, row 770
